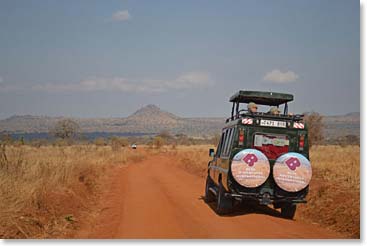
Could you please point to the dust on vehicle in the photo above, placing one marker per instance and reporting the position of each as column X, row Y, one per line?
column 261, row 156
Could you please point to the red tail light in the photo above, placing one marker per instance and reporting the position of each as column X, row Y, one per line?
column 301, row 142
column 241, row 137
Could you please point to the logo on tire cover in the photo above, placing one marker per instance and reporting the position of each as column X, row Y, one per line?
column 250, row 159
column 292, row 172
column 250, row 168
column 293, row 163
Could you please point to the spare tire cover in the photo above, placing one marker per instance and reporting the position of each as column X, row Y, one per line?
column 250, row 168
column 292, row 172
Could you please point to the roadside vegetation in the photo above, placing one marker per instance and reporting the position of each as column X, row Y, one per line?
column 43, row 190
column 334, row 198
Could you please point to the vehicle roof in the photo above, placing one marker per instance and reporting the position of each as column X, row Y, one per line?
column 261, row 97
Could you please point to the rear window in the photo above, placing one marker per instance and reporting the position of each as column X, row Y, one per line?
column 271, row 145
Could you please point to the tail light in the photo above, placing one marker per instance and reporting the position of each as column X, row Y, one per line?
column 301, row 142
column 241, row 137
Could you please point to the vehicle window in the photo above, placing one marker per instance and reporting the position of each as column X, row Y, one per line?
column 229, row 140
column 225, row 142
column 272, row 145
column 230, row 137
column 220, row 145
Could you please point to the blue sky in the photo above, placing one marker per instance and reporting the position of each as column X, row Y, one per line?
column 108, row 58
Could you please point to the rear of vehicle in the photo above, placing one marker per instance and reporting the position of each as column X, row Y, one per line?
column 267, row 157
column 279, row 139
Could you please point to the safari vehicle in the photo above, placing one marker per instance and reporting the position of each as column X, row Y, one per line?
column 260, row 157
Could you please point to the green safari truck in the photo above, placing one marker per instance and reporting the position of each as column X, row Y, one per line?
column 261, row 156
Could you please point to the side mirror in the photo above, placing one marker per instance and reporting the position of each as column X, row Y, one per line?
column 211, row 152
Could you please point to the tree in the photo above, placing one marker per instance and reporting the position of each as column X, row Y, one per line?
column 118, row 142
column 65, row 129
column 183, row 139
column 352, row 139
column 158, row 142
column 165, row 134
column 348, row 140
column 315, row 128
column 21, row 141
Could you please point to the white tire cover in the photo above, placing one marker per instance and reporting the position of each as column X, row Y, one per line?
column 292, row 172
column 250, row 168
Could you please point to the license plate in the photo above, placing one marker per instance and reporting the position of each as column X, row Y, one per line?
column 273, row 123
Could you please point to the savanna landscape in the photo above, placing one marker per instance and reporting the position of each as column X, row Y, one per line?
column 123, row 119
column 55, row 191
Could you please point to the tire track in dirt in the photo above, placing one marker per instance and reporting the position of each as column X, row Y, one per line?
column 156, row 199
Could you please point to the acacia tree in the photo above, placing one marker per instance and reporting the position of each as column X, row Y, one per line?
column 315, row 128
column 158, row 142
column 166, row 135
column 66, row 129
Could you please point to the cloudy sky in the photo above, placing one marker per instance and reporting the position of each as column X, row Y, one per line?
column 108, row 58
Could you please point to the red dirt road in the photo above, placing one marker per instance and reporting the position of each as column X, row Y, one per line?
column 156, row 199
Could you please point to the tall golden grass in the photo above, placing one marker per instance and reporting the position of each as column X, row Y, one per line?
column 333, row 200
column 193, row 158
column 36, row 182
column 334, row 197
column 43, row 190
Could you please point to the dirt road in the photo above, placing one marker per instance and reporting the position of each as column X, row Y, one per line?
column 156, row 199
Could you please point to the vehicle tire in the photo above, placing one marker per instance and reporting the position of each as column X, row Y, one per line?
column 209, row 196
column 224, row 204
column 288, row 210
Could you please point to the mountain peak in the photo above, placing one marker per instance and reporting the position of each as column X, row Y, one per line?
column 152, row 113
column 148, row 109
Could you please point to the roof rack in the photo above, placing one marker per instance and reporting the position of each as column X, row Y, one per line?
column 259, row 97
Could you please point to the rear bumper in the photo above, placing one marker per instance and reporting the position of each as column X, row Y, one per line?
column 266, row 198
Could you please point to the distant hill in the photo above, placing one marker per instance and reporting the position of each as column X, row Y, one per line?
column 148, row 120
column 151, row 120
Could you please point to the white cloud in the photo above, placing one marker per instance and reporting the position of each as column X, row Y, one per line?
column 122, row 15
column 279, row 77
column 9, row 87
column 184, row 81
column 193, row 79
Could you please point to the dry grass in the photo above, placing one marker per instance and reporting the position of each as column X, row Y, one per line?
column 194, row 159
column 333, row 200
column 43, row 190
